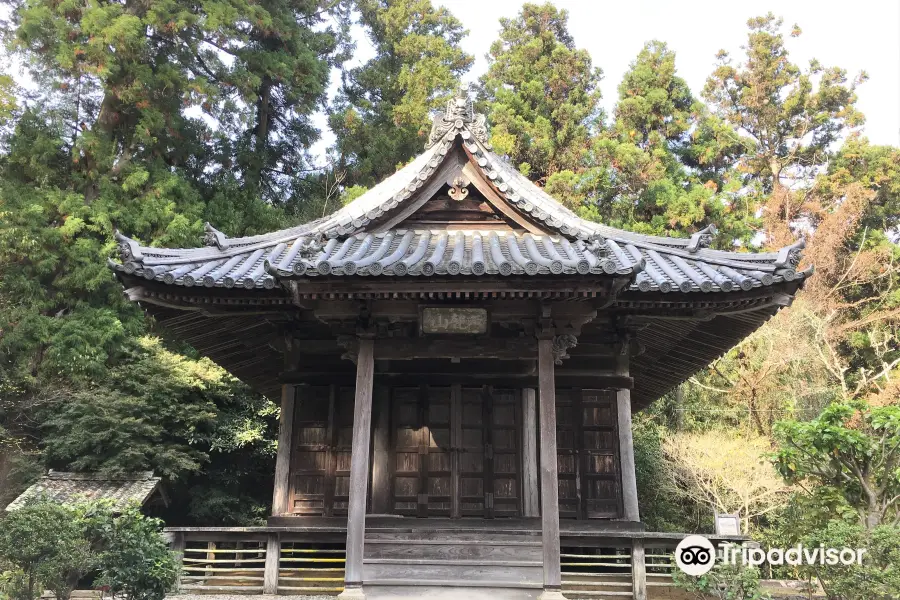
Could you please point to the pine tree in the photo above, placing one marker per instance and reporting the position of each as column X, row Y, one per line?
column 112, row 140
column 381, row 115
column 541, row 93
column 790, row 115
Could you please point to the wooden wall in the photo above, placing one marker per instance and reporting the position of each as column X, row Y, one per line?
column 452, row 451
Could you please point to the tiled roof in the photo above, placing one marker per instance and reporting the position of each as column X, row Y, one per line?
column 68, row 488
column 341, row 245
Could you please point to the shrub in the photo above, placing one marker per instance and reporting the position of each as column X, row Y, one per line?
column 134, row 560
column 723, row 582
column 877, row 578
column 44, row 543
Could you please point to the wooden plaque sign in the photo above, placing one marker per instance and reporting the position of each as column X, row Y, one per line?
column 453, row 320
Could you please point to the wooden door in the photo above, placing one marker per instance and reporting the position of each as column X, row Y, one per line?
column 320, row 456
column 587, row 454
column 504, row 439
column 456, row 451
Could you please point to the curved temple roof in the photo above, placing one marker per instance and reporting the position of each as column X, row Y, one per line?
column 409, row 238
column 343, row 245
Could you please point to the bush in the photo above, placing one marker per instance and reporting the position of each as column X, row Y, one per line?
column 877, row 578
column 134, row 560
column 45, row 545
column 724, row 582
column 50, row 546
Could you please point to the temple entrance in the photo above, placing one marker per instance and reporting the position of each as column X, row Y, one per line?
column 456, row 451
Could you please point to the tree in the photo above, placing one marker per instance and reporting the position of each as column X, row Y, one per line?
column 877, row 577
column 113, row 139
column 380, row 117
column 852, row 450
column 541, row 93
column 727, row 473
column 791, row 120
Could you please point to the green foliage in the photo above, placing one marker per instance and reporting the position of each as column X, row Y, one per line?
column 381, row 115
column 541, row 93
column 878, row 577
column 851, row 450
column 133, row 558
column 724, row 582
column 45, row 544
column 51, row 546
column 660, row 508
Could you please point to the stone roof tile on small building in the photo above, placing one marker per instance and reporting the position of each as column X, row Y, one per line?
column 71, row 488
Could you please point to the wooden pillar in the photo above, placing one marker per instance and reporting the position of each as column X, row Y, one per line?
column 626, row 457
column 530, row 487
column 638, row 570
column 273, row 560
column 549, row 480
column 281, row 496
column 359, row 471
column 381, row 476
column 455, row 444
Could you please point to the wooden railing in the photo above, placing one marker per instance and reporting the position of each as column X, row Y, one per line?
column 273, row 560
column 259, row 560
column 622, row 565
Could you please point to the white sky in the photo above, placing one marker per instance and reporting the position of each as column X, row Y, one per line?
column 854, row 35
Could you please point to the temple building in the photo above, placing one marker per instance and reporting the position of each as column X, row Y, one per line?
column 457, row 357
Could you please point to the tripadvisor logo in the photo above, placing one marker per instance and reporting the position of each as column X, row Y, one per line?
column 696, row 555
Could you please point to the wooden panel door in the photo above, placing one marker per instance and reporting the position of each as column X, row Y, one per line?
column 504, row 453
column 601, row 485
column 310, row 449
column 587, row 454
column 436, row 499
column 406, row 445
column 320, row 456
column 341, row 446
column 471, row 452
column 456, row 451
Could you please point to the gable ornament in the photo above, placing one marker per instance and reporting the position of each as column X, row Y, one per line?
column 460, row 115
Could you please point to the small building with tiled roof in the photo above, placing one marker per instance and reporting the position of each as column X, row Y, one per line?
column 443, row 327
column 71, row 488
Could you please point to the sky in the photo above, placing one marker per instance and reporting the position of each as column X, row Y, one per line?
column 855, row 35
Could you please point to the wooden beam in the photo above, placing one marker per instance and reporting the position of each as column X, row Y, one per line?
column 281, row 496
column 359, row 471
column 492, row 348
column 583, row 379
column 178, row 544
column 549, row 477
column 530, row 486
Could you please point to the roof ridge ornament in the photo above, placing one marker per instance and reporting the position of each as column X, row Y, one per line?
column 129, row 250
column 214, row 237
column 789, row 256
column 459, row 114
column 702, row 239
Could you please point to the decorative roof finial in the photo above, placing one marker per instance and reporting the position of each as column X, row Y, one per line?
column 702, row 239
column 214, row 237
column 459, row 114
column 789, row 256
